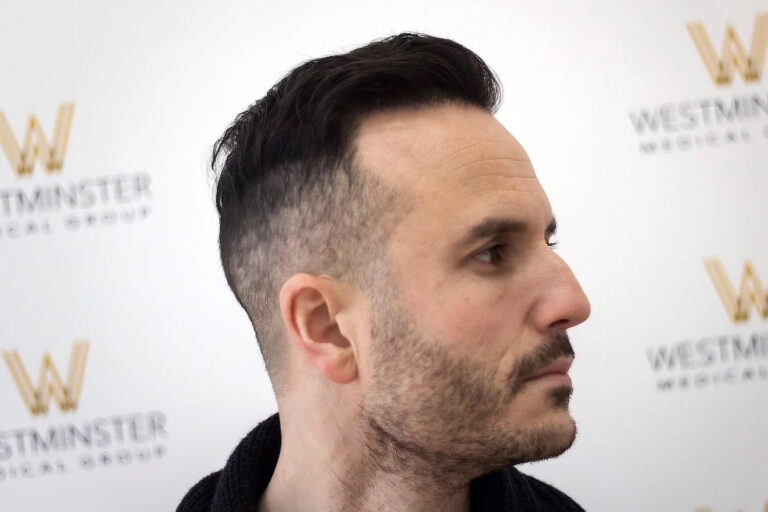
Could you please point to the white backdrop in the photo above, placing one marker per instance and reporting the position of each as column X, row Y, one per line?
column 173, row 376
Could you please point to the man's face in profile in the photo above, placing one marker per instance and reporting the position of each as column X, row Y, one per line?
column 473, row 302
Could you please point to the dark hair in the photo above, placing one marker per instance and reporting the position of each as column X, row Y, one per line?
column 289, row 194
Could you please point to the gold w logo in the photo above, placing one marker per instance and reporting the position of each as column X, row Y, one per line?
column 751, row 292
column 49, row 383
column 733, row 55
column 36, row 145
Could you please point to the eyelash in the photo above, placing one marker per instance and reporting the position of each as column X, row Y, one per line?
column 501, row 247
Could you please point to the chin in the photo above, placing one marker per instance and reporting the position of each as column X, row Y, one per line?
column 565, row 436
column 547, row 432
column 552, row 438
column 562, row 428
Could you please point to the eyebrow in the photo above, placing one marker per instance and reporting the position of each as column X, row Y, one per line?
column 492, row 226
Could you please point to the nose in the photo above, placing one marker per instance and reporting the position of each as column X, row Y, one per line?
column 561, row 303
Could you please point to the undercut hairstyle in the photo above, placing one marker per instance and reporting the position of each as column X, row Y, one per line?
column 290, row 193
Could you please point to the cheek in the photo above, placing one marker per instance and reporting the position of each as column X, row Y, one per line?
column 477, row 316
column 460, row 309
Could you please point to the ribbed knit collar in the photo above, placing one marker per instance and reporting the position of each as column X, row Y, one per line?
column 238, row 487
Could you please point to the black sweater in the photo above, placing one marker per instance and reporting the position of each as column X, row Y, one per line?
column 238, row 486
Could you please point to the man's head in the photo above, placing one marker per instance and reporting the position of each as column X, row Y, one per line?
column 390, row 243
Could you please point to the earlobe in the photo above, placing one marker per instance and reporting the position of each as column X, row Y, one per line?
column 309, row 306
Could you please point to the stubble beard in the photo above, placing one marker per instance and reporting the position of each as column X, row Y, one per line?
column 442, row 417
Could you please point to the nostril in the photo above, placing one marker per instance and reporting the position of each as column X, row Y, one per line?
column 561, row 322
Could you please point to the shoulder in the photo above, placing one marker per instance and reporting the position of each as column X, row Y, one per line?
column 550, row 497
column 200, row 496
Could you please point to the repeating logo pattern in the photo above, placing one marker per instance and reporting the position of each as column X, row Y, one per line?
column 49, row 383
column 36, row 145
column 61, row 202
column 733, row 56
column 751, row 291
column 694, row 123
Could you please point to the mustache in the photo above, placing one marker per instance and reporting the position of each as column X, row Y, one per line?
column 556, row 345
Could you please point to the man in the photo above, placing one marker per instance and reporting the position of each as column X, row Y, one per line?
column 391, row 245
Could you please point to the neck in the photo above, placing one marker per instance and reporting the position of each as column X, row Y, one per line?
column 329, row 463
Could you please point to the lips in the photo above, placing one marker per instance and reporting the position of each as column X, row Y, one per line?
column 559, row 366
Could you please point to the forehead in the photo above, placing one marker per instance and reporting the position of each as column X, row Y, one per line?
column 457, row 164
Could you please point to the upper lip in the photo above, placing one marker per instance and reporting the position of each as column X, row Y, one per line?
column 559, row 365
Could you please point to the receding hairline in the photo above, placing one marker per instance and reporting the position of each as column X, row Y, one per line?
column 386, row 121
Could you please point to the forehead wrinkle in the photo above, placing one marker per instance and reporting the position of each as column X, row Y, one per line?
column 489, row 172
column 504, row 152
column 496, row 188
column 459, row 151
column 515, row 164
column 471, row 191
column 469, row 184
column 474, row 162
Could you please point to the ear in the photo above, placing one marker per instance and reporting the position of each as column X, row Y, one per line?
column 309, row 306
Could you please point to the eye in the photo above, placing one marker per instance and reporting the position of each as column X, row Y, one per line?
column 492, row 255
